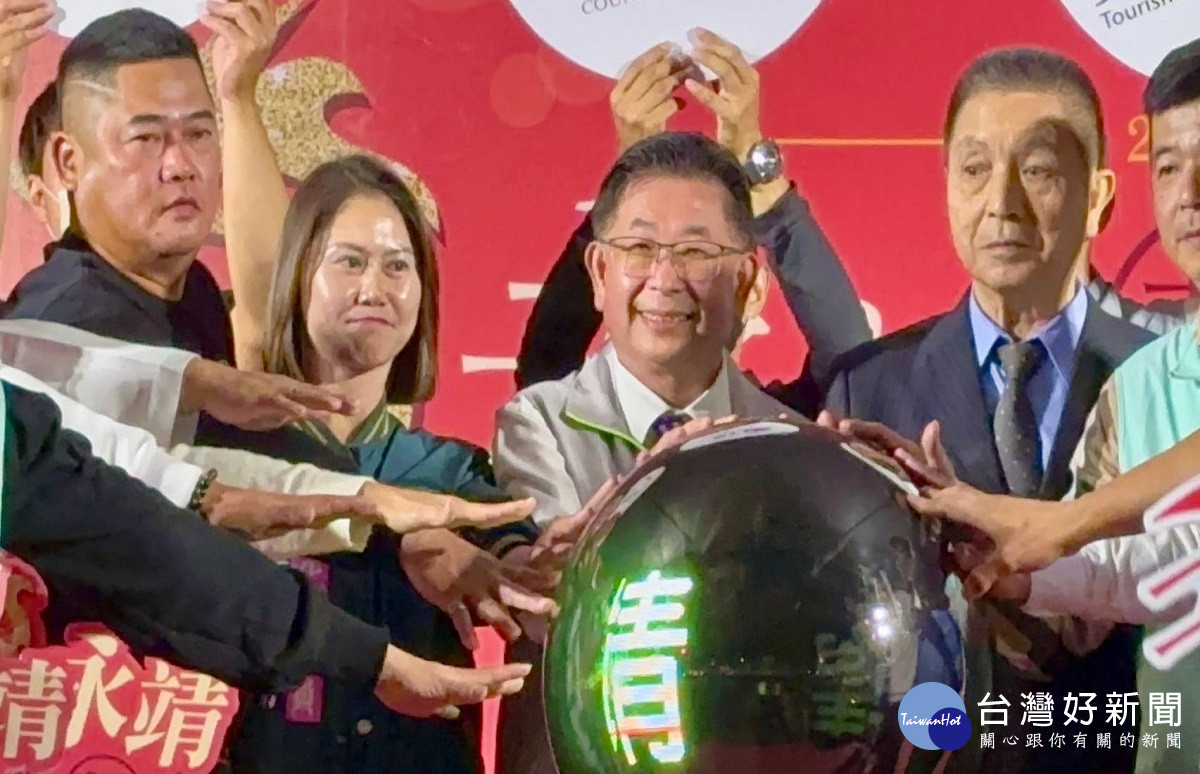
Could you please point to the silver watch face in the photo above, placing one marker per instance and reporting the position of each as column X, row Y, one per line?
column 764, row 163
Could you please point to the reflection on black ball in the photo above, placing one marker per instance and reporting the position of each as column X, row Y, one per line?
column 757, row 600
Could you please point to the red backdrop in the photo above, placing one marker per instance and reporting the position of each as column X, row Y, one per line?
column 509, row 137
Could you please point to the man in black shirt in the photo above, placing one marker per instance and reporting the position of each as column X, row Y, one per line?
column 139, row 152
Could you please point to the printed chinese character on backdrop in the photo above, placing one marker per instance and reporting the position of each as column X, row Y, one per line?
column 1150, row 740
column 1173, row 741
column 1122, row 709
column 1164, row 709
column 987, row 741
column 1011, row 741
column 1127, row 739
column 1033, row 740
column 1071, row 708
column 191, row 705
column 1081, row 740
column 101, row 684
column 1104, row 741
column 94, row 694
column 1039, row 709
column 33, row 700
column 1058, row 740
column 990, row 708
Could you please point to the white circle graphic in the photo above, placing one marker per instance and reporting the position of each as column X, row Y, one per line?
column 74, row 15
column 605, row 35
column 1139, row 33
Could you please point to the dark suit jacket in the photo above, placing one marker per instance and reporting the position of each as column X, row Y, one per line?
column 929, row 371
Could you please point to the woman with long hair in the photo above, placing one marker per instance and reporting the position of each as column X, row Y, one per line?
column 354, row 302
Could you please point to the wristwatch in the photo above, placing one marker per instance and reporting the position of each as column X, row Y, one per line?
column 764, row 162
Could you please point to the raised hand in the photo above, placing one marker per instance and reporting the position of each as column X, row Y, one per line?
column 736, row 102
column 245, row 33
column 253, row 400
column 414, row 686
column 460, row 579
column 22, row 22
column 641, row 101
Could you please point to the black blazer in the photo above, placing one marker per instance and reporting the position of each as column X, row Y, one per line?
column 929, row 371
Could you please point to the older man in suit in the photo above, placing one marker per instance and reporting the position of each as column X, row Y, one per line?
column 1011, row 373
column 673, row 264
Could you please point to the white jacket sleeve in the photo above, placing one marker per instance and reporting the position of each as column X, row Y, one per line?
column 134, row 384
column 528, row 463
column 254, row 471
column 1100, row 582
column 130, row 448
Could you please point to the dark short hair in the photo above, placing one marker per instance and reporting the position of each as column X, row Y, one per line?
column 132, row 36
column 42, row 119
column 1176, row 80
column 305, row 229
column 1027, row 69
column 678, row 154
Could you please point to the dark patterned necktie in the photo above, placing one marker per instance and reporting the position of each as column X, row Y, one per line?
column 666, row 422
column 1015, row 425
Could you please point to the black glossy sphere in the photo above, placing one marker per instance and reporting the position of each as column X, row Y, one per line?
column 759, row 599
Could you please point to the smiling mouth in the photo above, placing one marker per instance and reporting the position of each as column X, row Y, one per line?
column 666, row 318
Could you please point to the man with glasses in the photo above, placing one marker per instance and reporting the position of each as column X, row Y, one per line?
column 673, row 263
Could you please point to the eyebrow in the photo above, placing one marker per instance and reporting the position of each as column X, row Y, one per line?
column 151, row 118
column 359, row 249
column 700, row 231
column 1162, row 150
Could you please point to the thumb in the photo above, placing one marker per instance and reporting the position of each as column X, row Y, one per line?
column 983, row 577
column 935, row 450
column 828, row 419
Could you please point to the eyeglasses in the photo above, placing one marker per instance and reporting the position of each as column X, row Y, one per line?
column 694, row 261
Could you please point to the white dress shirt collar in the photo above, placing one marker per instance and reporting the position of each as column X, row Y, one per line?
column 640, row 405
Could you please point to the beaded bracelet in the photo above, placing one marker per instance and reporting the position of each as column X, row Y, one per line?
column 202, row 486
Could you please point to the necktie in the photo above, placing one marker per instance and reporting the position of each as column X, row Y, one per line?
column 666, row 422
column 1015, row 426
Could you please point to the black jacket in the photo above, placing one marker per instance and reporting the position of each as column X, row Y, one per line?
column 165, row 581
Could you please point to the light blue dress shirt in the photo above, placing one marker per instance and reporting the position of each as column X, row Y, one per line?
column 1050, row 383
